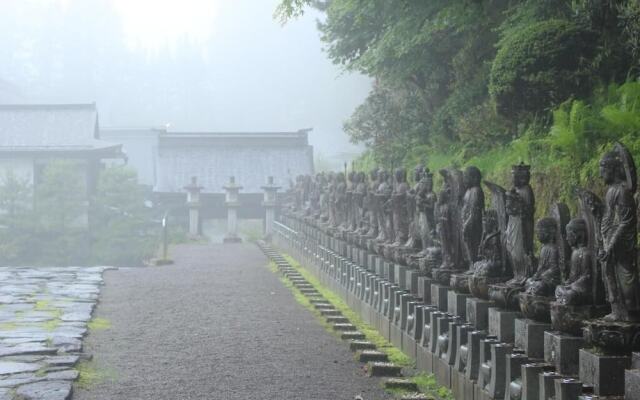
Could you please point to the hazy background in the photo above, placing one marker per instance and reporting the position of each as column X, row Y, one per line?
column 221, row 65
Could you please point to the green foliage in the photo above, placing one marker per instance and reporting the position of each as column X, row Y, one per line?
column 123, row 231
column 61, row 214
column 54, row 223
column 542, row 65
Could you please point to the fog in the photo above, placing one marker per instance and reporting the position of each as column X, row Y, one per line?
column 206, row 65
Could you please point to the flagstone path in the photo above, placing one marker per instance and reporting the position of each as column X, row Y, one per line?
column 43, row 316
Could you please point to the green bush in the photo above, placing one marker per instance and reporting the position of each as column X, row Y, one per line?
column 541, row 66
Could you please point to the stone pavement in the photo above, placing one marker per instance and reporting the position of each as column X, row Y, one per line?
column 216, row 325
column 43, row 316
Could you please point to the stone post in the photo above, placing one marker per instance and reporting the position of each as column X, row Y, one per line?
column 232, row 211
column 269, row 204
column 193, row 204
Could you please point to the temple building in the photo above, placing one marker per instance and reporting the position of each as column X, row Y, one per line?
column 31, row 136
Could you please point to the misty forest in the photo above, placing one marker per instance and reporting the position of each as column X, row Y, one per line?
column 209, row 199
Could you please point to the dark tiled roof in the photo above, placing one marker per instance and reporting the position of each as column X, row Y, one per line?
column 49, row 127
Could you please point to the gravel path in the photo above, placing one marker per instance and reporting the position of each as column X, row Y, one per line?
column 216, row 325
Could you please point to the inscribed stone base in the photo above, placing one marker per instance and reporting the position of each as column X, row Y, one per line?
column 604, row 372
column 439, row 296
column 478, row 312
column 501, row 324
column 562, row 351
column 457, row 304
column 529, row 336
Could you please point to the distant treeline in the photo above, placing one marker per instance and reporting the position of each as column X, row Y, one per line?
column 490, row 83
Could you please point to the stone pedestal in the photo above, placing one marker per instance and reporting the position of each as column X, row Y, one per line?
column 424, row 288
column 399, row 276
column 531, row 379
column 440, row 296
column 529, row 336
column 412, row 281
column 478, row 312
column 514, row 362
column 269, row 203
column 548, row 385
column 605, row 373
column 562, row 351
column 193, row 204
column 632, row 384
column 457, row 304
column 232, row 211
column 502, row 324
column 567, row 389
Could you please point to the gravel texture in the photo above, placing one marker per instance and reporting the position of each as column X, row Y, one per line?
column 216, row 325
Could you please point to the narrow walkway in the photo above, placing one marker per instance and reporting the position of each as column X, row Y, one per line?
column 216, row 325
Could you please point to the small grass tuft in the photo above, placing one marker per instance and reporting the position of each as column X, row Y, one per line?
column 99, row 324
column 396, row 356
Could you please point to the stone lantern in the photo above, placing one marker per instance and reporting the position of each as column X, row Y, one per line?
column 233, row 203
column 269, row 203
column 193, row 204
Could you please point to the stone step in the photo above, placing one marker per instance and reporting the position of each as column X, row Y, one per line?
column 366, row 356
column 384, row 369
column 361, row 345
column 330, row 313
column 416, row 396
column 318, row 300
column 302, row 286
column 352, row 335
column 309, row 292
column 337, row 319
column 344, row 327
column 324, row 306
column 401, row 384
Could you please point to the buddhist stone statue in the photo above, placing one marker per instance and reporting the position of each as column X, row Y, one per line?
column 540, row 288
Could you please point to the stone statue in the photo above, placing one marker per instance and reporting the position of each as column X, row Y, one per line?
column 340, row 201
column 518, row 252
column 426, row 203
column 372, row 204
column 472, row 209
column 581, row 295
column 399, row 206
column 576, row 289
column 521, row 175
column 449, row 225
column 360, row 194
column 618, row 228
column 385, row 219
column 540, row 288
column 350, row 203
column 490, row 268
column 413, row 242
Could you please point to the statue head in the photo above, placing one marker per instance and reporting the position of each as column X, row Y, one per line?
column 546, row 230
column 521, row 174
column 401, row 175
column 361, row 177
column 577, row 232
column 514, row 203
column 611, row 167
column 382, row 174
column 373, row 174
column 352, row 176
column 472, row 177
column 428, row 179
column 418, row 171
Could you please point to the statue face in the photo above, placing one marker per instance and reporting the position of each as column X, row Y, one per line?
column 471, row 177
column 521, row 178
column 572, row 237
column 545, row 233
column 607, row 173
column 400, row 175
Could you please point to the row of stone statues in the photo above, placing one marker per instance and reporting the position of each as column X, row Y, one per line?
column 585, row 274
